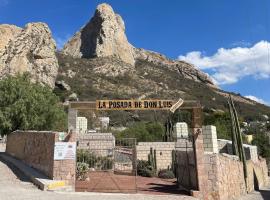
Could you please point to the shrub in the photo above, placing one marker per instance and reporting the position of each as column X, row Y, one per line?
column 94, row 161
column 106, row 163
column 145, row 169
column 166, row 174
column 29, row 106
column 81, row 171
column 144, row 132
column 261, row 140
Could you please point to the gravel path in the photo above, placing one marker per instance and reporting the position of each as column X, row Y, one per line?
column 14, row 186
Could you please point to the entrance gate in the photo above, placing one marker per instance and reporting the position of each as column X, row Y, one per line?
column 112, row 167
column 122, row 156
column 185, row 164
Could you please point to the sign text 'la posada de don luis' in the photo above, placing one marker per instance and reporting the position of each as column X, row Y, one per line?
column 134, row 104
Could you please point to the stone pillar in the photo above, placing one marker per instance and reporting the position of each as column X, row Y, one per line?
column 210, row 139
column 72, row 119
column 202, row 186
column 66, row 169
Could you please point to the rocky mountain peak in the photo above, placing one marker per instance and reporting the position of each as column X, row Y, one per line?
column 103, row 36
column 31, row 50
column 7, row 33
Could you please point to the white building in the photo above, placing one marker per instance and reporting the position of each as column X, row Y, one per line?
column 81, row 125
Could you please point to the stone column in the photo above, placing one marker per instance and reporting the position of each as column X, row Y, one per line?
column 72, row 119
column 202, row 178
column 65, row 169
column 210, row 139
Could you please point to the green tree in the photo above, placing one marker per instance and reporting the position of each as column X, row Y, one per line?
column 261, row 140
column 144, row 132
column 222, row 122
column 28, row 106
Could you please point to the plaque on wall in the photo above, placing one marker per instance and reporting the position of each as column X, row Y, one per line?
column 65, row 151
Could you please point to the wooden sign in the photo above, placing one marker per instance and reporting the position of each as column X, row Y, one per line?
column 133, row 104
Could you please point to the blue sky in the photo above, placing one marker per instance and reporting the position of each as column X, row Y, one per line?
column 229, row 39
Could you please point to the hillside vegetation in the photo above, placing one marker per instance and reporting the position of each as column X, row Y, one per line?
column 147, row 80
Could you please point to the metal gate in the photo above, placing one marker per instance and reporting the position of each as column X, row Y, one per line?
column 112, row 168
column 185, row 160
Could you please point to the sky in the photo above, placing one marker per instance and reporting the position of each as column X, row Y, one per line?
column 228, row 39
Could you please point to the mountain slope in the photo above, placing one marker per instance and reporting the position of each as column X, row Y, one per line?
column 147, row 80
column 98, row 62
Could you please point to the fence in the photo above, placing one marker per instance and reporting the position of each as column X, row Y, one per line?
column 112, row 168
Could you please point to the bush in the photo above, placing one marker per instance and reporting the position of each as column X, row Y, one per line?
column 145, row 169
column 29, row 106
column 261, row 140
column 144, row 132
column 222, row 121
column 81, row 171
column 94, row 161
column 166, row 174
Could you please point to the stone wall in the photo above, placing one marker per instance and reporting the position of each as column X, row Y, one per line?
column 224, row 146
column 36, row 149
column 251, row 151
column 257, row 175
column 163, row 152
column 225, row 177
column 100, row 143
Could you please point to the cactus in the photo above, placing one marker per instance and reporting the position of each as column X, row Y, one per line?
column 174, row 162
column 168, row 136
column 155, row 160
column 238, row 137
column 152, row 159
column 234, row 140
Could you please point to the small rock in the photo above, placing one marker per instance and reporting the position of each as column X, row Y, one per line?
column 62, row 85
column 73, row 97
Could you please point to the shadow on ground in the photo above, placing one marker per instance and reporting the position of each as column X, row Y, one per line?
column 265, row 194
column 15, row 170
column 162, row 188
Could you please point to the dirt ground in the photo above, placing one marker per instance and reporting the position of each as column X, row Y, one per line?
column 110, row 182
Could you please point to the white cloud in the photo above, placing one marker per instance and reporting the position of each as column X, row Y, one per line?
column 256, row 99
column 228, row 66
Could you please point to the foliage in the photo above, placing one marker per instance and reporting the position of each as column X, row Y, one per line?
column 81, row 171
column 25, row 105
column 94, row 161
column 222, row 122
column 145, row 169
column 261, row 140
column 182, row 116
column 144, row 132
column 90, row 85
column 166, row 174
